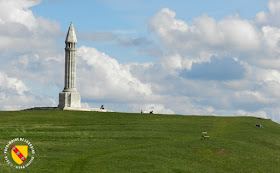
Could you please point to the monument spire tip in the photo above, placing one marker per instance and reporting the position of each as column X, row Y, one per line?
column 71, row 35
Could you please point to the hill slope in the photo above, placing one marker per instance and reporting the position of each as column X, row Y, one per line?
column 73, row 141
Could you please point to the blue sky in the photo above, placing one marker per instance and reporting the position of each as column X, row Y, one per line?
column 175, row 57
column 131, row 16
column 109, row 15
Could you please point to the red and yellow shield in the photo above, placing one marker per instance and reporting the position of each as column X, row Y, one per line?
column 19, row 153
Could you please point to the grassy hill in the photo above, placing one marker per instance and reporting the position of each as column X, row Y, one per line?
column 73, row 141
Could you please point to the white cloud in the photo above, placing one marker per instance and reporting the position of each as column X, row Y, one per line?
column 15, row 11
column 165, row 22
column 239, row 34
column 255, row 47
column 103, row 77
column 231, row 32
column 21, row 31
column 270, row 17
column 29, row 56
column 14, row 95
column 261, row 17
column 207, row 37
column 271, row 38
column 12, row 83
column 274, row 6
column 260, row 114
column 172, row 63
column 268, row 75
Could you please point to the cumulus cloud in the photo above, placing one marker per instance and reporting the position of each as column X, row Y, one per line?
column 186, row 44
column 21, row 31
column 17, row 12
column 231, row 36
column 29, row 56
column 271, row 16
column 15, row 95
column 271, row 38
column 12, row 83
column 225, row 65
column 274, row 6
column 103, row 77
column 232, row 31
column 28, row 44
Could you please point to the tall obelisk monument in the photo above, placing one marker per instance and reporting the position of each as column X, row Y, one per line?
column 69, row 98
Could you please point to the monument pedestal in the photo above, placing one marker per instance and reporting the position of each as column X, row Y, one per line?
column 69, row 100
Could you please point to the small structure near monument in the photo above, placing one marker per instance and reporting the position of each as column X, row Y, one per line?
column 69, row 98
column 204, row 135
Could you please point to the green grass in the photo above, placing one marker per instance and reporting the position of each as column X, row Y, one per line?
column 73, row 141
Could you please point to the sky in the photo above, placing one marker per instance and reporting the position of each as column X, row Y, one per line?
column 173, row 57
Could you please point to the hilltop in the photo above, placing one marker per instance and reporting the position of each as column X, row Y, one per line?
column 76, row 141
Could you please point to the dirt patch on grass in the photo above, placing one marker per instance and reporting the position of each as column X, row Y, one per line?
column 222, row 152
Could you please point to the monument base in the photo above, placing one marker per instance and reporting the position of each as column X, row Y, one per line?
column 69, row 100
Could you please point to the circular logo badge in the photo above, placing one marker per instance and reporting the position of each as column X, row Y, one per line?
column 19, row 153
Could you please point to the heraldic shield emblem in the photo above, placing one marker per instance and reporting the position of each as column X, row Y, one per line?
column 19, row 153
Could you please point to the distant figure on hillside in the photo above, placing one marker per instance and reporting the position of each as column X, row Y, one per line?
column 151, row 112
column 259, row 125
column 102, row 107
column 141, row 112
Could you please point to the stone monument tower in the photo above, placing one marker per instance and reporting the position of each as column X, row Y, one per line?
column 69, row 98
